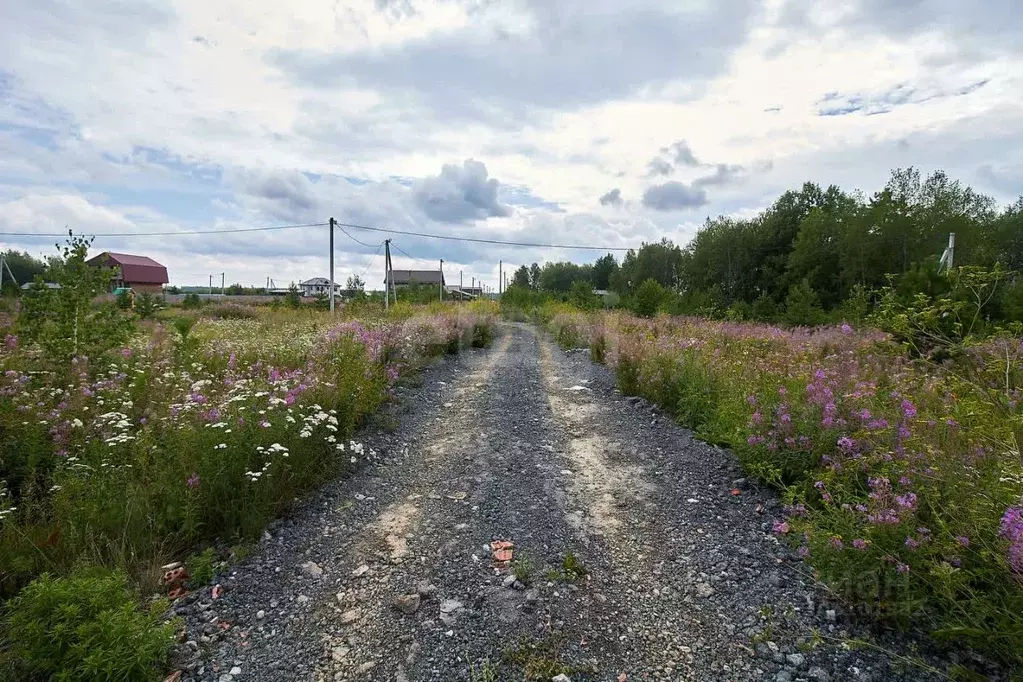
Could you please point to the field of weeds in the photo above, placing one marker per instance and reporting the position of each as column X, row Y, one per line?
column 902, row 478
column 198, row 429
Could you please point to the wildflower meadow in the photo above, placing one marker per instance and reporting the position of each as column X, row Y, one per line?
column 902, row 478
column 196, row 429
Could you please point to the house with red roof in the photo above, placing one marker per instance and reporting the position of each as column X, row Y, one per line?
column 140, row 273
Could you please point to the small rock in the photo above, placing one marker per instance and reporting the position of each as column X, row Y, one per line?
column 517, row 585
column 450, row 610
column 783, row 676
column 360, row 571
column 561, row 678
column 508, row 581
column 302, row 599
column 350, row 616
column 235, row 671
column 830, row 615
column 426, row 590
column 408, row 603
column 819, row 674
column 704, row 590
column 171, row 566
column 312, row 569
column 366, row 667
column 796, row 659
column 261, row 614
column 225, row 678
column 339, row 653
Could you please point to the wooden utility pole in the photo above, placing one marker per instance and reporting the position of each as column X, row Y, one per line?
column 211, row 285
column 331, row 223
column 223, row 276
column 500, row 276
column 5, row 266
column 461, row 291
column 387, row 274
column 440, row 285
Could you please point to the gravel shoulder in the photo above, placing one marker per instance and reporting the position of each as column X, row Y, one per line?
column 632, row 557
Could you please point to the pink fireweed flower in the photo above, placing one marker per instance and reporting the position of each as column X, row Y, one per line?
column 193, row 480
column 11, row 341
column 963, row 540
column 1011, row 529
column 751, row 399
column 902, row 568
column 846, row 443
column 781, row 527
column 836, row 542
column 907, row 501
column 911, row 543
column 860, row 543
column 757, row 417
column 846, row 329
column 908, row 409
column 232, row 361
column 126, row 352
column 803, row 551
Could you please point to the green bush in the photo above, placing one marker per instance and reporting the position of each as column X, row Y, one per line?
column 648, row 298
column 85, row 627
column 482, row 334
column 191, row 301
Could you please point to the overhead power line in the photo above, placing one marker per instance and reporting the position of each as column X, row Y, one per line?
column 479, row 240
column 357, row 241
column 164, row 234
column 403, row 251
column 409, row 233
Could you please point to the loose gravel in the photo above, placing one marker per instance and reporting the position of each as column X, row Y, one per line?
column 633, row 559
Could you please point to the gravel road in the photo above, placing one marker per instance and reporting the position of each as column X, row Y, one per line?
column 634, row 558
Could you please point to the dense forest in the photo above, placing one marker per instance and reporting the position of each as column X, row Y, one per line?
column 815, row 254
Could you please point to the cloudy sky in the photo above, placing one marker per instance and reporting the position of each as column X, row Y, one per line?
column 598, row 122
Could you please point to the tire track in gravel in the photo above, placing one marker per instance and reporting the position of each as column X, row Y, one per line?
column 529, row 444
column 469, row 616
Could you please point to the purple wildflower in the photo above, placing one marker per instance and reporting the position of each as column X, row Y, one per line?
column 1011, row 529
column 908, row 409
column 963, row 540
column 781, row 527
column 907, row 501
column 193, row 480
column 902, row 568
column 859, row 543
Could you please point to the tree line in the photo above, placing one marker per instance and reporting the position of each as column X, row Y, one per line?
column 814, row 255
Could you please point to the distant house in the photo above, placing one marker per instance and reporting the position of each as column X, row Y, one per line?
column 465, row 292
column 140, row 273
column 317, row 286
column 404, row 278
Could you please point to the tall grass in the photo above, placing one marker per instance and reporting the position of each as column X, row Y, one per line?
column 903, row 479
column 193, row 431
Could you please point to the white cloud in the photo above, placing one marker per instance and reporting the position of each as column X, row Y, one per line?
column 118, row 116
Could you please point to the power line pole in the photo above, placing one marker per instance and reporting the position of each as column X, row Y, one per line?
column 461, row 291
column 440, row 286
column 5, row 266
column 500, row 275
column 211, row 285
column 223, row 276
column 331, row 264
column 387, row 273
